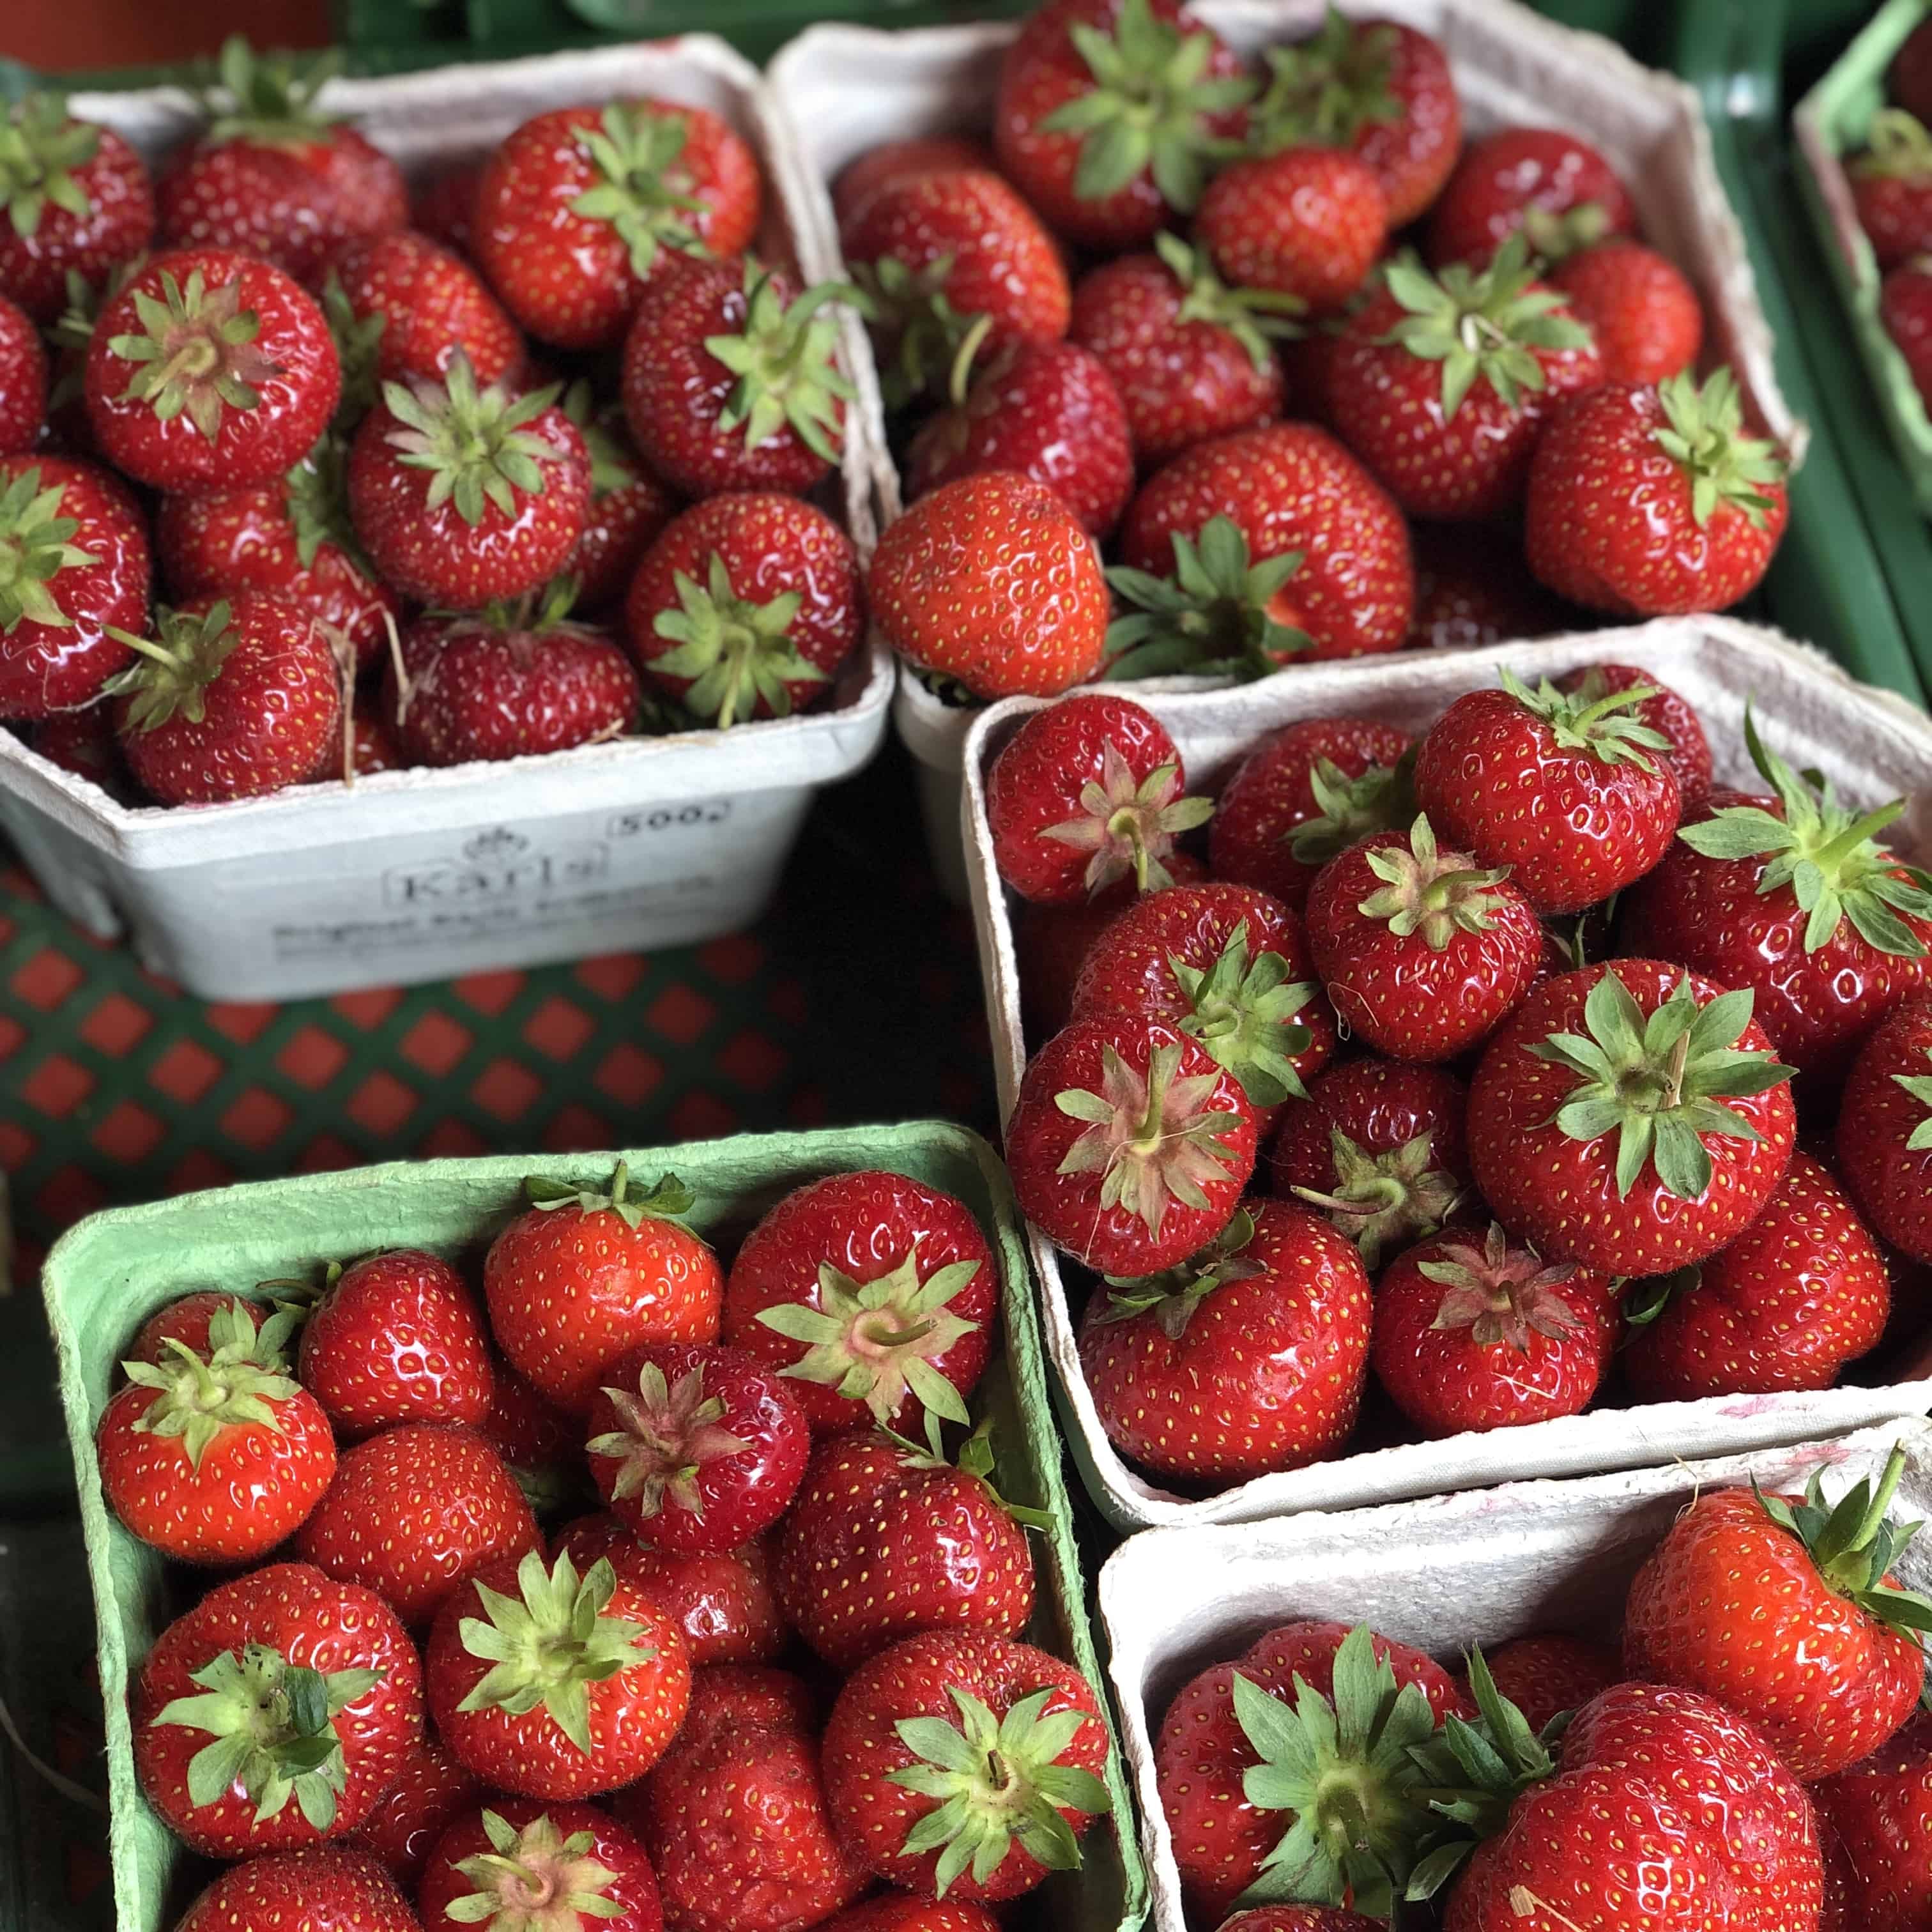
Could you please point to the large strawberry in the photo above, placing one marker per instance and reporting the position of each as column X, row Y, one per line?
column 1631, row 1117
column 1688, row 751
column 1884, row 1139
column 1306, row 222
column 1553, row 187
column 23, row 382
column 1891, row 186
column 515, row 1865
column 1249, row 1357
column 434, row 306
column 276, row 1712
column 320, row 1891
column 1881, row 1811
column 429, row 1792
column 1640, row 307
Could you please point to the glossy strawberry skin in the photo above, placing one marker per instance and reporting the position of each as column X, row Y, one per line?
column 1881, row 1811
column 1473, row 587
column 23, row 380
column 429, row 1792
column 119, row 223
column 435, row 304
column 1501, row 176
column 630, row 1886
column 1543, row 1676
column 1308, row 222
column 324, row 1890
column 1889, row 1179
column 1667, row 711
column 892, row 161
column 1639, row 306
column 1905, row 307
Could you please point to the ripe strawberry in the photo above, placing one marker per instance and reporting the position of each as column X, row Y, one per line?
column 1128, row 1145
column 1800, row 1293
column 1286, row 486
column 1638, row 307
column 1905, row 307
column 1630, row 1117
column 1473, row 587
column 1442, row 384
column 1891, row 186
column 583, row 208
column 429, row 1792
column 433, row 305
column 542, row 1445
column 628, row 506
column 562, row 1687
column 515, row 1865
column 1786, row 1610
column 319, row 1891
column 1884, row 1128
column 1192, row 358
column 1110, row 113
column 275, row 1713
column 900, row 1912
column 745, row 606
column 1306, row 222
column 1563, row 790
column 1650, row 502
column 462, row 495
column 1248, row 1358
column 872, row 1295
column 1544, row 1676
column 1908, row 80
column 961, row 1763
column 583, row 1275
column 444, row 207
column 1687, row 752
column 190, row 1320
column 1558, row 191
column 210, row 369
column 1881, row 1812
column 23, row 382
column 83, row 742
column 991, row 581
column 894, row 161
column 232, row 697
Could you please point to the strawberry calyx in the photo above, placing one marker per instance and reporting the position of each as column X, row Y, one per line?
column 1217, row 616
column 549, row 1643
column 1606, row 726
column 475, row 443
column 272, row 1725
column 1555, row 234
column 668, row 1199
column 316, row 492
column 1351, row 810
column 1254, row 317
column 1430, row 892
column 877, row 1342
column 666, row 1431
column 1323, row 91
column 1919, row 1086
column 534, row 1880
column 269, row 99
column 1152, row 1138
column 1703, row 433
column 930, row 337
column 975, row 1458
column 1387, row 1201
column 1659, row 1081
column 36, row 545
column 1829, row 855
column 736, row 652
column 197, row 351
column 1174, row 1294
column 784, row 356
column 298, row 1296
column 1897, row 143
column 41, row 147
column 358, row 349
column 1501, row 1295
column 1243, row 1014
column 1129, row 826
column 642, row 191
column 1149, row 107
column 613, row 466
column 238, row 1382
column 174, row 668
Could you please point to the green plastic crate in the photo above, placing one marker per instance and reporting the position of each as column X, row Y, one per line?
column 114, row 1269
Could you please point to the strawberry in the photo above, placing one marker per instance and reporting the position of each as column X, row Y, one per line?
column 73, row 551
column 190, row 1322
column 1688, row 753
column 462, row 495
column 275, row 1713
column 1301, row 796
column 1905, row 307
column 1473, row 587
column 1563, row 790
column 1630, row 1117
column 413, row 1511
column 76, row 200
column 583, row 208
column 1128, row 1145
column 1476, row 1338
column 1109, row 114
column 444, row 207
column 1306, row 222
column 1248, row 1358
column 1085, row 796
column 1192, row 358
column 515, row 1865
column 1884, row 1140
column 232, row 697
column 563, row 1687
column 1555, row 189
column 210, row 369
column 398, row 1337
column 991, row 581
column 1653, row 501
column 1800, row 1293
column 215, row 1459
column 1785, row 1610
column 958, row 1762
column 893, row 161
column 745, row 606
column 1286, row 487
column 583, row 1275
column 542, row 1445
column 429, row 1792
column 1422, row 951
column 870, row 1294
column 83, row 742
column 628, row 506
column 1908, row 80
column 1891, row 186
column 899, row 1912
column 321, row 1891
column 433, row 305
column 1442, row 384
column 1881, row 1812
column 1545, row 1676
column 1638, row 305
column 23, row 382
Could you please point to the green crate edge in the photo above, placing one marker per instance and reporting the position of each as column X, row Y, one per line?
column 124, row 1260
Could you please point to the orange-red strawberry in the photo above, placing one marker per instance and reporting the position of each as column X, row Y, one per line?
column 433, row 305
column 1544, row 1676
column 23, row 382
column 429, row 1792
column 1306, row 222
column 1891, row 186
column 628, row 506
column 1885, row 1128
column 1881, row 1811
column 1688, row 751
column 893, row 161
column 509, row 1864
column 319, row 1891
column 1473, row 587
column 1554, row 188
column 1638, row 305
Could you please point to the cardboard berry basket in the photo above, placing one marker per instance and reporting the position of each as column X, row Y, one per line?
column 1870, row 744
column 1442, row 1575
column 845, row 89
column 115, row 1268
column 423, row 874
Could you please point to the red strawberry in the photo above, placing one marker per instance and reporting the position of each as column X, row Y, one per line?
column 1128, row 1145
column 1891, row 186
column 1800, row 1293
column 1473, row 587
column 554, row 1686
column 990, row 581
column 1905, row 307
column 210, row 370
column 321, row 1891
column 1556, row 190
column 429, row 1792
column 900, row 1912
column 1599, row 1135
column 1688, row 751
column 232, row 697
column 872, row 1294
column 1884, row 1128
column 434, row 306
column 83, row 742
column 1563, row 790
column 583, row 1276
column 275, row 1713
column 1786, row 1610
column 1544, row 1676
column 23, row 382
column 1881, row 1812
column 542, row 1445
column 1248, row 1358
column 1192, row 358
column 1304, row 793
column 1908, row 80
column 1001, row 1818
column 398, row 1337
column 583, row 208
column 893, row 161
column 745, row 606
column 1476, row 1338
column 444, row 207
column 1638, row 305
column 73, row 548
column 1306, row 222
column 1287, row 487
column 628, row 506
column 190, row 1322
column 1651, row 502
column 512, row 1864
